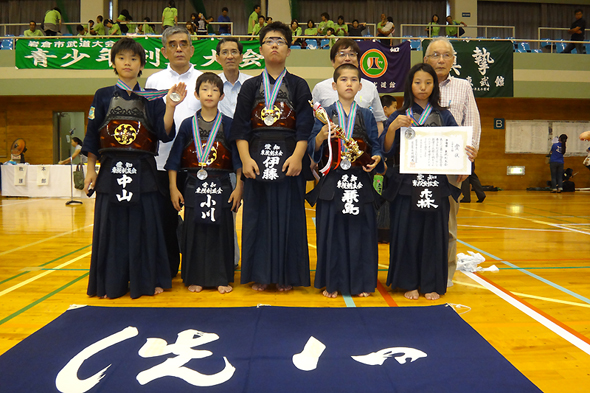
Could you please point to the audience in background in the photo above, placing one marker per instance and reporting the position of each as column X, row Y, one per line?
column 324, row 24
column 224, row 29
column 341, row 28
column 52, row 21
column 356, row 29
column 32, row 30
column 169, row 15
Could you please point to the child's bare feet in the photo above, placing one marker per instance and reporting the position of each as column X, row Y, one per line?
column 259, row 287
column 284, row 288
column 412, row 295
column 364, row 294
column 224, row 289
column 103, row 297
column 432, row 296
column 195, row 288
column 158, row 290
column 330, row 295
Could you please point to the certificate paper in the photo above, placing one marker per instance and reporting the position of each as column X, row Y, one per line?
column 435, row 150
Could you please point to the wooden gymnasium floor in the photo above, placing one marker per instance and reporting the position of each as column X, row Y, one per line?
column 535, row 310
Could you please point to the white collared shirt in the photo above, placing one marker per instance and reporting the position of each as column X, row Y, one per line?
column 456, row 95
column 368, row 97
column 165, row 79
column 227, row 106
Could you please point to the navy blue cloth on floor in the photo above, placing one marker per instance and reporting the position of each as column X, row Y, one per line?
column 428, row 349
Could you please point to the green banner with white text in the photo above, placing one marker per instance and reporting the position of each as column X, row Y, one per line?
column 95, row 54
column 487, row 65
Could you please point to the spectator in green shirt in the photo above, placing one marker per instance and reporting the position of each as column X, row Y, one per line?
column 311, row 29
column 341, row 28
column 52, row 21
column 122, row 20
column 453, row 31
column 253, row 18
column 295, row 32
column 146, row 28
column 80, row 30
column 114, row 28
column 261, row 23
column 325, row 24
column 98, row 28
column 32, row 31
column 169, row 15
column 433, row 27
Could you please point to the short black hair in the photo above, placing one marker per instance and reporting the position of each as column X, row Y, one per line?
column 343, row 67
column 128, row 44
column 387, row 100
column 172, row 4
column 326, row 15
column 32, row 21
column 99, row 18
column 77, row 140
column 211, row 78
column 79, row 28
column 281, row 28
column 344, row 43
column 256, row 6
column 578, row 10
column 340, row 17
column 312, row 22
column 224, row 9
column 331, row 29
column 229, row 39
column 409, row 95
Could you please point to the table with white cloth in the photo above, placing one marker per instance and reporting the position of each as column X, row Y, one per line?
column 59, row 182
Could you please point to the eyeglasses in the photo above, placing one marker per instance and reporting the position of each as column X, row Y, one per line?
column 173, row 45
column 343, row 55
column 233, row 52
column 277, row 41
column 445, row 56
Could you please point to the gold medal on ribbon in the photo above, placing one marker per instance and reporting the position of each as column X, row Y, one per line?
column 270, row 116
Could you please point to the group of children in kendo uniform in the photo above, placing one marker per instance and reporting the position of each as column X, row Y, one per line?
column 268, row 144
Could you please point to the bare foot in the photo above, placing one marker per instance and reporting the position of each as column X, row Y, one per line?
column 158, row 291
column 284, row 288
column 195, row 288
column 224, row 289
column 103, row 297
column 432, row 296
column 364, row 294
column 259, row 287
column 331, row 295
column 412, row 295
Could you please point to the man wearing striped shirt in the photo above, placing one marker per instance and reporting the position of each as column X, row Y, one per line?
column 457, row 96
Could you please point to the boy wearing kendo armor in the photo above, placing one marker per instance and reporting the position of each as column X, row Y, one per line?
column 208, row 232
column 125, row 123
column 271, row 126
column 347, row 251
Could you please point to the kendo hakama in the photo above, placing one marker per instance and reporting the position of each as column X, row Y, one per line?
column 128, row 249
column 346, row 232
column 274, row 229
column 419, row 237
column 208, row 230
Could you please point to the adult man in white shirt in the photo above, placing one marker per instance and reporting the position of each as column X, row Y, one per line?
column 457, row 96
column 178, row 49
column 229, row 55
column 347, row 51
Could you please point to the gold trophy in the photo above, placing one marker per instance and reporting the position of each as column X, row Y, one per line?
column 353, row 152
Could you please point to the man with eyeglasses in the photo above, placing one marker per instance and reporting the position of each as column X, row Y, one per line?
column 456, row 95
column 347, row 51
column 177, row 47
column 272, row 123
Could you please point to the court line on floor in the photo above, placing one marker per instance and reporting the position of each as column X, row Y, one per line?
column 385, row 294
column 523, row 270
column 45, row 264
column 31, row 305
column 547, row 299
column 43, row 240
column 559, row 328
column 41, row 275
column 514, row 229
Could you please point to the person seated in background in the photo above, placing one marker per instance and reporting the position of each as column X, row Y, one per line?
column 146, row 28
column 296, row 31
column 32, row 30
column 311, row 29
column 98, row 27
column 341, row 28
column 261, row 23
column 114, row 28
column 269, row 20
column 89, row 27
column 331, row 33
column 191, row 28
column 356, row 29
column 80, row 30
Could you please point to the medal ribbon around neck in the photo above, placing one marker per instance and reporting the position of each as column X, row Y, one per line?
column 149, row 95
column 203, row 154
column 348, row 127
column 423, row 117
column 270, row 97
